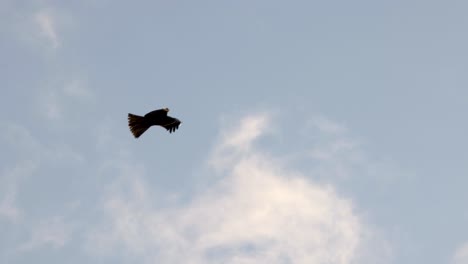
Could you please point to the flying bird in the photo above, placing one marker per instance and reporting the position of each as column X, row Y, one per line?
column 139, row 124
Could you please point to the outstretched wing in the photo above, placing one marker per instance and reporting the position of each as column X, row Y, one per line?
column 171, row 124
column 156, row 114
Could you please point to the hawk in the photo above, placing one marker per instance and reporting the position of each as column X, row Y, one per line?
column 139, row 124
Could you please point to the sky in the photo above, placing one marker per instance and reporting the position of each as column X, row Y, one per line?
column 313, row 132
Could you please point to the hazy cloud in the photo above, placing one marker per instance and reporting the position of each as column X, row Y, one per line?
column 8, row 208
column 51, row 106
column 31, row 155
column 61, row 95
column 52, row 232
column 9, row 181
column 327, row 126
column 47, row 26
column 77, row 88
column 461, row 255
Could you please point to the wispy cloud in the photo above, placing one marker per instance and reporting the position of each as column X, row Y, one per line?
column 59, row 96
column 77, row 88
column 50, row 105
column 234, row 142
column 259, row 212
column 333, row 155
column 52, row 232
column 326, row 125
column 47, row 26
column 31, row 156
column 10, row 179
column 8, row 208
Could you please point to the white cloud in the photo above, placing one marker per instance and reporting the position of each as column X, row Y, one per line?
column 238, row 140
column 251, row 128
column 48, row 28
column 461, row 255
column 259, row 212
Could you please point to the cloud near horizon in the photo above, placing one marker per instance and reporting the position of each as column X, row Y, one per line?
column 258, row 212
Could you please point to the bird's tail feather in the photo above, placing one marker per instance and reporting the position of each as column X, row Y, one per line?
column 137, row 125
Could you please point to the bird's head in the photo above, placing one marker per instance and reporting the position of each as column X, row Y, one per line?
column 166, row 109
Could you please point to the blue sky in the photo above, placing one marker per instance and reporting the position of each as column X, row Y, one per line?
column 313, row 132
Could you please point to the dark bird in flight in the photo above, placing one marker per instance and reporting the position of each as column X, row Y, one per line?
column 139, row 124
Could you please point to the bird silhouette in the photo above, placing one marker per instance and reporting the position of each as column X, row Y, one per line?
column 139, row 124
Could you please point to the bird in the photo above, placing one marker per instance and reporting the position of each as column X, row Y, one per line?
column 139, row 124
